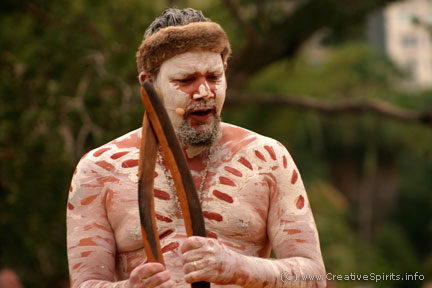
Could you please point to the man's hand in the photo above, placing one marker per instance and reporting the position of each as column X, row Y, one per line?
column 206, row 259
column 150, row 275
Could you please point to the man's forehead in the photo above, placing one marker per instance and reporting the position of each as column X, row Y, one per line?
column 193, row 62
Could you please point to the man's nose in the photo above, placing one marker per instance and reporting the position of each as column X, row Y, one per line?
column 203, row 92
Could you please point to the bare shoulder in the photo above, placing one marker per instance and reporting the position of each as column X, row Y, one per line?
column 104, row 165
column 115, row 150
column 239, row 139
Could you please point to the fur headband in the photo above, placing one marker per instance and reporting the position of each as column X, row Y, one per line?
column 173, row 40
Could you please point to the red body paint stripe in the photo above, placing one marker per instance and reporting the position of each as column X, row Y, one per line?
column 226, row 181
column 105, row 165
column 233, row 171
column 103, row 180
column 86, row 253
column 270, row 151
column 212, row 216
column 245, row 162
column 100, row 151
column 292, row 231
column 70, row 206
column 170, row 247
column 286, row 221
column 89, row 200
column 285, row 162
column 300, row 202
column 294, row 177
column 165, row 234
column 102, row 227
column 163, row 218
column 119, row 154
column 87, row 242
column 211, row 235
column 161, row 194
column 239, row 247
column 260, row 155
column 130, row 163
column 223, row 196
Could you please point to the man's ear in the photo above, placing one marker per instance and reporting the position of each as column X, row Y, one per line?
column 143, row 76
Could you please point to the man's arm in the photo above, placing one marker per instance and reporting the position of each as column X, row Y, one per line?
column 90, row 239
column 292, row 232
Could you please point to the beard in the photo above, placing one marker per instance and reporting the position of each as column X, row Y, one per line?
column 204, row 136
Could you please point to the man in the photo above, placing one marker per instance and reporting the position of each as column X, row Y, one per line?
column 252, row 196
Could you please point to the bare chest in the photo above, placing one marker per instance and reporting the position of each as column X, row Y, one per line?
column 234, row 200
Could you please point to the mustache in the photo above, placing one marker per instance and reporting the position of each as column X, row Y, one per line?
column 199, row 105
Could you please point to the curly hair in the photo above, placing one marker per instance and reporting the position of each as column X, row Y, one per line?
column 175, row 17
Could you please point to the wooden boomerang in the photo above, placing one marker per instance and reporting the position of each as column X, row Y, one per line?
column 156, row 128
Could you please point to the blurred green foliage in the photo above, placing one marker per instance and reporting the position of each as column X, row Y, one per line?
column 68, row 84
column 395, row 237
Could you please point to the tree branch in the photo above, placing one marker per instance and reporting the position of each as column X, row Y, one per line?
column 284, row 38
column 350, row 106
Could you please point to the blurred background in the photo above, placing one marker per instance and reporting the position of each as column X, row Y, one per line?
column 346, row 86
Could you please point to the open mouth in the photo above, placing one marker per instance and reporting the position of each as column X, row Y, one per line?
column 201, row 114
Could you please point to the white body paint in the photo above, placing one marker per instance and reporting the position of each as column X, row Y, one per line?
column 249, row 206
column 253, row 201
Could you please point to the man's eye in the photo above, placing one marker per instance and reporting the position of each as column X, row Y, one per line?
column 213, row 77
column 185, row 81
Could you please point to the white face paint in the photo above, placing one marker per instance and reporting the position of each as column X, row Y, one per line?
column 203, row 91
column 189, row 77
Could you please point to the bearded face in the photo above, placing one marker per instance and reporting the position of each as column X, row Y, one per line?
column 205, row 134
column 195, row 82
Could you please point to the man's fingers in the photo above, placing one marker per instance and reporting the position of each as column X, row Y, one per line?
column 157, row 279
column 193, row 242
column 149, row 269
column 196, row 276
column 194, row 266
column 143, row 274
column 191, row 256
column 167, row 284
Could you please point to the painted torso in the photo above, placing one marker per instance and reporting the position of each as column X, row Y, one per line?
column 239, row 187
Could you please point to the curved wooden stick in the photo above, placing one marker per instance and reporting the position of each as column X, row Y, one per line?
column 176, row 162
column 147, row 164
